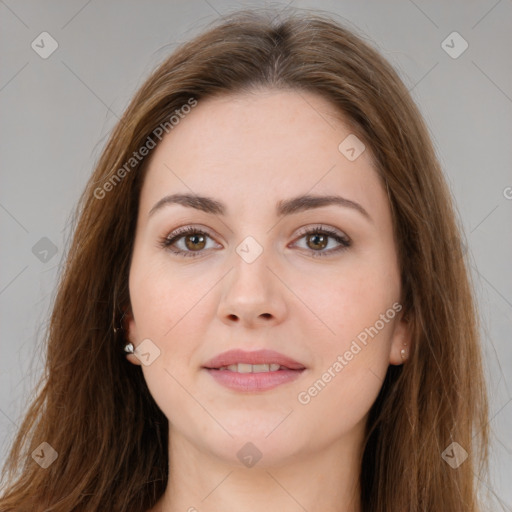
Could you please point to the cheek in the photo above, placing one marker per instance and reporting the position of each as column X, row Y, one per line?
column 164, row 312
column 162, row 296
column 344, row 303
column 350, row 369
column 166, row 308
column 358, row 314
column 336, row 406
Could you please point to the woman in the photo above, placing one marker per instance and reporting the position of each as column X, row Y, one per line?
column 265, row 304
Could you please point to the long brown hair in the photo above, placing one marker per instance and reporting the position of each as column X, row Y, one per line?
column 94, row 408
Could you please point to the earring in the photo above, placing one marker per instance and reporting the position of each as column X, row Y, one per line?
column 403, row 352
column 129, row 348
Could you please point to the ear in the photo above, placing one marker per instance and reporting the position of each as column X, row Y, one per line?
column 130, row 330
column 401, row 340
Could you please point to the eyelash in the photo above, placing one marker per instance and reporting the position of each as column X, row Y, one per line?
column 168, row 241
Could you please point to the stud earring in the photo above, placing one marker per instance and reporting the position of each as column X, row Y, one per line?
column 129, row 348
column 403, row 352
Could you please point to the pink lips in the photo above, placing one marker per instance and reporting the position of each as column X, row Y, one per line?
column 254, row 357
column 260, row 381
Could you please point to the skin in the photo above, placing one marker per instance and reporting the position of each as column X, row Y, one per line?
column 250, row 151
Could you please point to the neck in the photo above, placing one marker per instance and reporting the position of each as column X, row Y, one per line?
column 320, row 480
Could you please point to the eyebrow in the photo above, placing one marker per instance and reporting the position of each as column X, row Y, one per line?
column 283, row 207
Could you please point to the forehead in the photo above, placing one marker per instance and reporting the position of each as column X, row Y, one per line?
column 259, row 146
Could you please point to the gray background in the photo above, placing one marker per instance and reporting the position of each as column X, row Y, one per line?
column 56, row 114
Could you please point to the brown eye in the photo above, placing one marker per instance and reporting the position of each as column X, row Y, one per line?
column 317, row 241
column 189, row 241
column 195, row 242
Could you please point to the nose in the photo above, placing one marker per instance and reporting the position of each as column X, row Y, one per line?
column 252, row 294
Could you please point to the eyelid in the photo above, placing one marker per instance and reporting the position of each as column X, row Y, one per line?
column 322, row 228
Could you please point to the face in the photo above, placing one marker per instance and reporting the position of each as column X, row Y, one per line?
column 317, row 283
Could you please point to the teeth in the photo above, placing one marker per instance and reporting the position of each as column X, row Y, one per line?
column 244, row 368
column 251, row 368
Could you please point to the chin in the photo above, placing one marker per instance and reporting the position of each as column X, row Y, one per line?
column 251, row 453
column 256, row 442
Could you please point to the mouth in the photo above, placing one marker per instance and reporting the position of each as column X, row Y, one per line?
column 253, row 371
column 252, row 368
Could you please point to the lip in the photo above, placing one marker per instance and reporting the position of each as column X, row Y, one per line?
column 253, row 357
column 253, row 382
